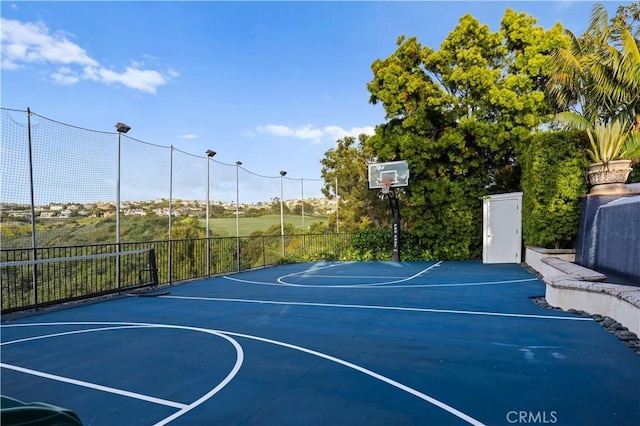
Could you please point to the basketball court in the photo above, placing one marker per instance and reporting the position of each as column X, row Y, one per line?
column 349, row 343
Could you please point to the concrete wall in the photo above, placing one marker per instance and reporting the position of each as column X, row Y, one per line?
column 619, row 302
column 533, row 257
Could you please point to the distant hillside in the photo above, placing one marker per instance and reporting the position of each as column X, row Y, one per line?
column 81, row 231
column 226, row 227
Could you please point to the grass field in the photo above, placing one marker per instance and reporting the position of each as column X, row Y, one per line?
column 227, row 226
column 79, row 231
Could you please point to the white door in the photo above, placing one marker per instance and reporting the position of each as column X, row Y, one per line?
column 502, row 228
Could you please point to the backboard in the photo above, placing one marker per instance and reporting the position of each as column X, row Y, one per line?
column 396, row 172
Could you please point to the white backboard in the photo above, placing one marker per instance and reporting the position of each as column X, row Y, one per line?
column 397, row 172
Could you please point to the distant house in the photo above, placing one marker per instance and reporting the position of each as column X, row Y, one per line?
column 135, row 212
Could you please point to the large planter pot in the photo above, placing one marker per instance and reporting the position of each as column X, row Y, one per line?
column 609, row 176
column 616, row 171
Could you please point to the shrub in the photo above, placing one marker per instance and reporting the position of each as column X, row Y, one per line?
column 553, row 185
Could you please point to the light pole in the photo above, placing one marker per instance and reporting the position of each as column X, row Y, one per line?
column 303, row 229
column 120, row 128
column 238, row 164
column 210, row 155
column 337, row 209
column 282, row 175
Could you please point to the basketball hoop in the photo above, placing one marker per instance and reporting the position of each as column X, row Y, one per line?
column 386, row 186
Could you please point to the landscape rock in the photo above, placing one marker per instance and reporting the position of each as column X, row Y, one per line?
column 612, row 326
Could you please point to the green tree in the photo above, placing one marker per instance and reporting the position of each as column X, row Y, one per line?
column 459, row 116
column 187, row 228
column 308, row 209
column 359, row 207
column 318, row 227
column 188, row 259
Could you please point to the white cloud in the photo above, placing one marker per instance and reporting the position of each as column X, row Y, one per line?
column 339, row 133
column 275, row 129
column 65, row 75
column 143, row 80
column 314, row 134
column 189, row 136
column 27, row 43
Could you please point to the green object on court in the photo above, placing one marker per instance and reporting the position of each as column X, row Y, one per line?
column 15, row 413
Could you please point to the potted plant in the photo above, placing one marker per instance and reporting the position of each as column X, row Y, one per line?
column 613, row 147
column 595, row 78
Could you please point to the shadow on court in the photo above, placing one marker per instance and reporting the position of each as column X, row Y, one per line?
column 328, row 343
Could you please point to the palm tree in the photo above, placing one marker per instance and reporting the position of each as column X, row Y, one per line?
column 598, row 75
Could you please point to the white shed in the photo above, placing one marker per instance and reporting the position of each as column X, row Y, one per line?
column 502, row 228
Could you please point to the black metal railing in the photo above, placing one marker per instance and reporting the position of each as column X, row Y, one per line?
column 35, row 278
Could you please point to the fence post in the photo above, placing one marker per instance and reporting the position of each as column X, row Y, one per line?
column 238, row 164
column 282, row 175
column 120, row 129
column 34, row 245
column 170, row 253
column 153, row 266
column 207, row 219
column 337, row 208
column 302, row 197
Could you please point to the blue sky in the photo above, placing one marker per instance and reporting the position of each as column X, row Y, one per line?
column 272, row 84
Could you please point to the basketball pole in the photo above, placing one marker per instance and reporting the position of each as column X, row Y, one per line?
column 395, row 209
column 387, row 177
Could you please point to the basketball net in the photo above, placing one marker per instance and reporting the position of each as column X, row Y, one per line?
column 386, row 186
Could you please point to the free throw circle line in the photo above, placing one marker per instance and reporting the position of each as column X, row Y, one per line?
column 383, row 283
column 227, row 277
column 183, row 408
column 378, row 286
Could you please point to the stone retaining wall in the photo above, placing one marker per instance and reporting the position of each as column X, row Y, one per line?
column 567, row 288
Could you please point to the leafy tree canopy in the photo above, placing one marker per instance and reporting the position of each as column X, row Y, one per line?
column 459, row 115
column 346, row 165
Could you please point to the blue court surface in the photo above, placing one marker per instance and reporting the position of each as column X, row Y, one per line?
column 352, row 343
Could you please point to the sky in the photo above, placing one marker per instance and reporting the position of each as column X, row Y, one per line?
column 270, row 84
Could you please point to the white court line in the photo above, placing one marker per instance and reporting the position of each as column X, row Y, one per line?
column 221, row 385
column 370, row 373
column 251, row 282
column 318, row 268
column 226, row 334
column 94, row 386
column 385, row 308
column 380, row 285
column 66, row 333
column 294, row 273
column 183, row 408
column 281, row 280
column 524, row 280
column 352, row 276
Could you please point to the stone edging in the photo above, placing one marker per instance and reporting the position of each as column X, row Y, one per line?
column 620, row 302
column 623, row 334
column 576, row 271
column 627, row 293
column 616, row 307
